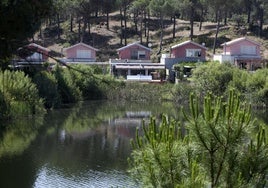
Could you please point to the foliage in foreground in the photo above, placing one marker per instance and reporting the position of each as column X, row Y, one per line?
column 18, row 95
column 218, row 146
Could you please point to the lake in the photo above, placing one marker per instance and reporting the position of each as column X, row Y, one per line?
column 85, row 145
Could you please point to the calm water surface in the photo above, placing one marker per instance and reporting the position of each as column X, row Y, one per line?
column 86, row 145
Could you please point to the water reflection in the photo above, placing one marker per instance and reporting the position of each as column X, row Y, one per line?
column 86, row 145
column 18, row 135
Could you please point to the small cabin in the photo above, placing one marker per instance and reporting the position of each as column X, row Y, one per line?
column 37, row 52
column 242, row 52
column 187, row 51
column 134, row 51
column 80, row 52
column 30, row 58
column 134, row 64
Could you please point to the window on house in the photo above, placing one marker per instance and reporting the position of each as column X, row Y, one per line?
column 35, row 56
column 193, row 52
column 134, row 54
column 83, row 54
column 249, row 50
column 141, row 54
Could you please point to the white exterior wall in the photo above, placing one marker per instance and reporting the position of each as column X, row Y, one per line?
column 223, row 58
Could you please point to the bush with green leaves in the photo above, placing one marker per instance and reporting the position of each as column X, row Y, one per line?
column 4, row 110
column 213, row 77
column 239, row 81
column 139, row 91
column 47, row 86
column 19, row 95
column 219, row 78
column 218, row 145
column 258, row 87
column 180, row 92
column 91, row 83
column 67, row 88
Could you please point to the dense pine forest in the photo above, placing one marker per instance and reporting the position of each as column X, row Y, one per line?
column 109, row 24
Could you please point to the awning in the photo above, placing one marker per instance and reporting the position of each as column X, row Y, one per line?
column 140, row 67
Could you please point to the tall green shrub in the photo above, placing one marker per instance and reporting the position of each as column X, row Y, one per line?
column 4, row 109
column 67, row 88
column 258, row 87
column 20, row 94
column 47, row 86
column 87, row 82
column 93, row 84
column 213, row 77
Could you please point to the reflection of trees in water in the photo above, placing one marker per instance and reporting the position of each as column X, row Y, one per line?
column 80, row 136
column 88, row 137
column 18, row 135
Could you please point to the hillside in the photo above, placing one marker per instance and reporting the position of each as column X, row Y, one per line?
column 107, row 41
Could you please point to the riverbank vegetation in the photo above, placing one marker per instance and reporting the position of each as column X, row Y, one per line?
column 19, row 95
column 25, row 95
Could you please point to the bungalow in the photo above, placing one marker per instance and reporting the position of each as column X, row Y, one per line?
column 134, row 51
column 187, row 51
column 80, row 53
column 34, row 53
column 30, row 57
column 241, row 52
column 134, row 63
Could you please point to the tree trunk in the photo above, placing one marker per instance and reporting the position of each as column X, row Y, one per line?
column 192, row 24
column 249, row 15
column 84, row 29
column 107, row 20
column 58, row 25
column 225, row 17
column 79, row 29
column 161, row 34
column 261, row 20
column 216, row 35
column 125, row 25
column 248, row 7
column 174, row 26
column 141, row 28
column 145, row 24
column 121, row 24
column 71, row 22
column 88, row 26
column 148, row 29
column 135, row 20
column 201, row 18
